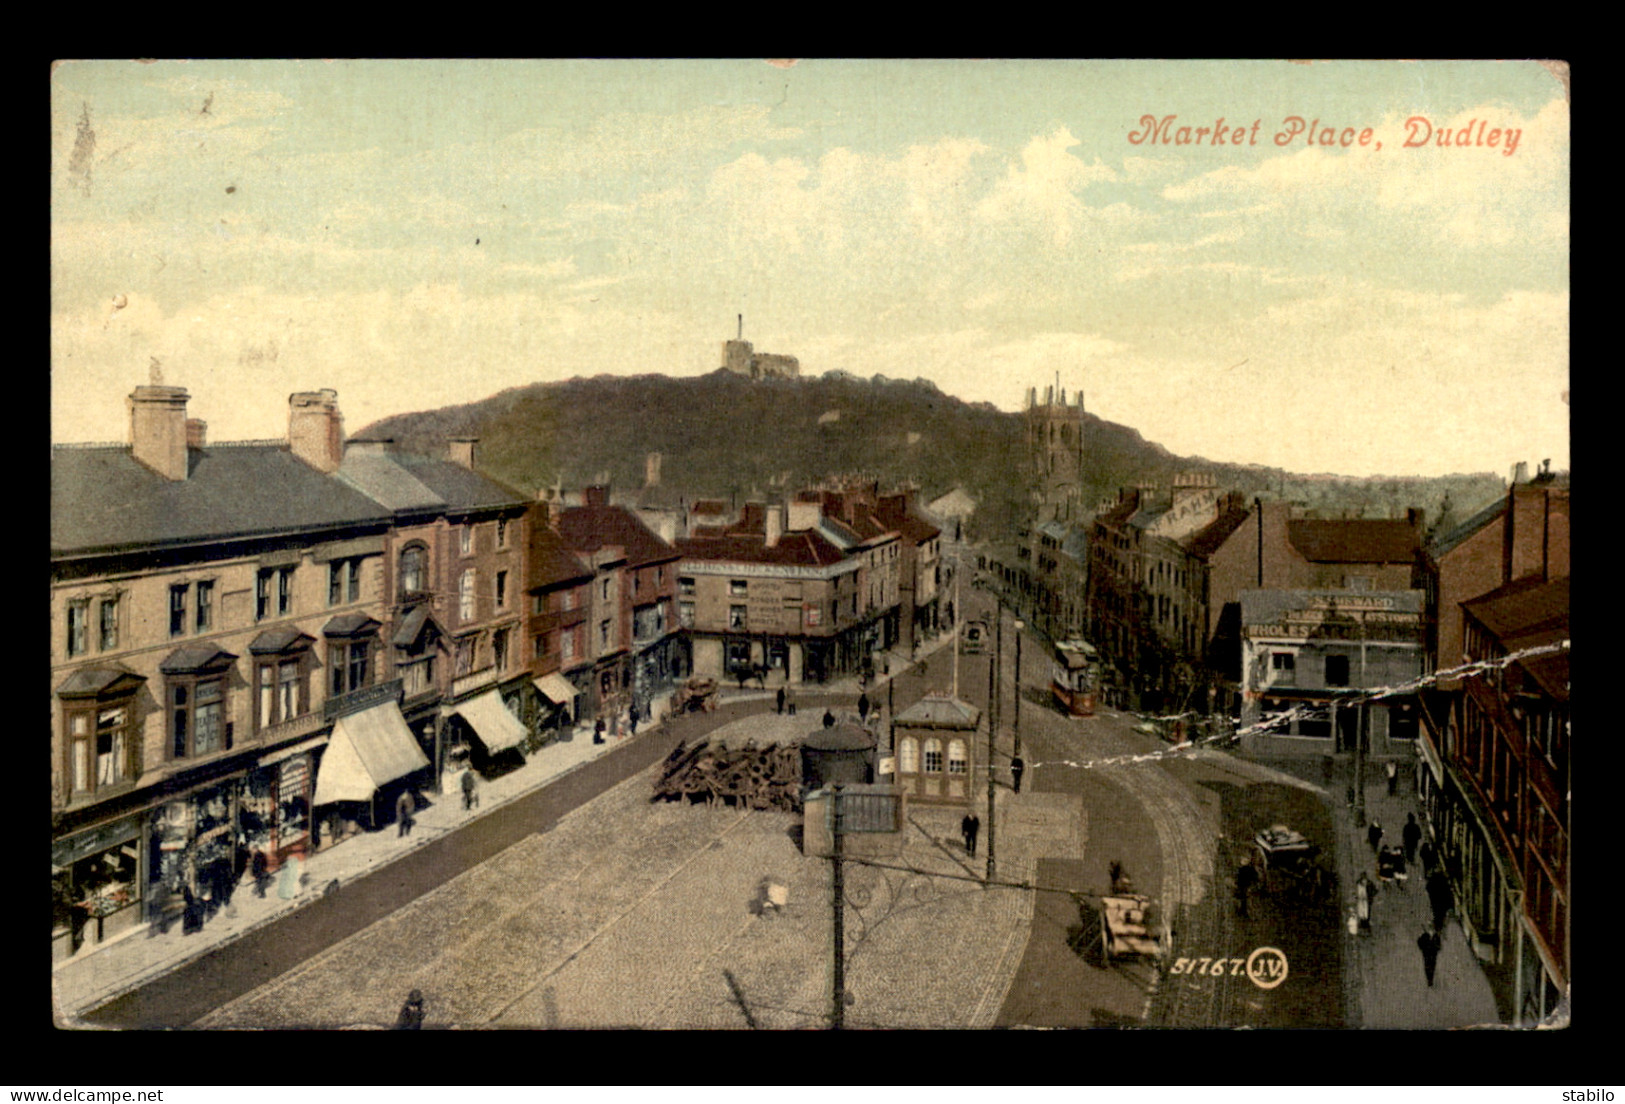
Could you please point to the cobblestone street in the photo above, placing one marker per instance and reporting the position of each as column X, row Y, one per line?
column 636, row 914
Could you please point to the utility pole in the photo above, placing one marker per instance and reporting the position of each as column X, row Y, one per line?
column 993, row 725
column 1015, row 716
column 838, row 1013
column 1359, row 738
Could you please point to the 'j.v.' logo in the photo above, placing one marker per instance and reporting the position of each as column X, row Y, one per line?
column 1266, row 967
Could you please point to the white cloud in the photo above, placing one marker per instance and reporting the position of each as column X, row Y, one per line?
column 1043, row 188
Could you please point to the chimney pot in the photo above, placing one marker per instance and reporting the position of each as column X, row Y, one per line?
column 158, row 429
column 197, row 433
column 315, row 428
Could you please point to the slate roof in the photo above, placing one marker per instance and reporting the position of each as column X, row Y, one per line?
column 1354, row 540
column 1209, row 539
column 911, row 525
column 1523, row 609
column 404, row 481
column 940, row 711
column 551, row 561
column 589, row 528
column 103, row 499
column 796, row 548
column 1458, row 533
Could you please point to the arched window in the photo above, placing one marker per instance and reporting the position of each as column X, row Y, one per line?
column 908, row 756
column 414, row 570
column 933, row 756
column 957, row 763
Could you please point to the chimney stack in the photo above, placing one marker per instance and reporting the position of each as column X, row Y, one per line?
column 1520, row 472
column 774, row 524
column 651, row 470
column 315, row 428
column 460, row 451
column 197, row 433
column 597, row 495
column 158, row 429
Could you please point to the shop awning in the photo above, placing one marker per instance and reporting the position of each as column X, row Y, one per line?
column 368, row 750
column 555, row 688
column 497, row 729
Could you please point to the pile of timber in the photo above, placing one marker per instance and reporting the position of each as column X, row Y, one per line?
column 747, row 777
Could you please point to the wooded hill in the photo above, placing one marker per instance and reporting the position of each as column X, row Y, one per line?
column 726, row 436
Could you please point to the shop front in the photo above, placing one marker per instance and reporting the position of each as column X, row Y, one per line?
column 274, row 812
column 370, row 751
column 559, row 700
column 96, row 886
column 193, row 850
column 491, row 731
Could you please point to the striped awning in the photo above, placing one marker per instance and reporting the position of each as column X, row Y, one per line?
column 368, row 750
column 497, row 729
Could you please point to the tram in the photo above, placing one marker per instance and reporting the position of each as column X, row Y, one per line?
column 1074, row 676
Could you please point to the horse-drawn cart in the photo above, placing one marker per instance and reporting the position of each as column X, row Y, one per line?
column 1131, row 925
column 697, row 694
column 1288, row 862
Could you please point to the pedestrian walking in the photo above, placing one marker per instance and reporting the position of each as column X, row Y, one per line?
column 1428, row 942
column 971, row 826
column 404, row 808
column 779, row 701
column 471, row 796
column 1365, row 891
column 261, row 867
column 1018, row 767
column 1246, row 879
column 1392, row 770
column 633, row 723
column 863, row 707
column 1440, row 897
column 598, row 731
column 829, row 719
column 411, row 1017
column 1412, row 835
column 191, row 913
column 1426, row 851
column 1374, row 835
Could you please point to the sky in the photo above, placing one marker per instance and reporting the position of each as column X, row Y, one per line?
column 415, row 234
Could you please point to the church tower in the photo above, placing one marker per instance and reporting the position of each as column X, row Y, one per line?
column 1055, row 454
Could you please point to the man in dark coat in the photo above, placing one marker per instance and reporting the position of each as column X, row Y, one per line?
column 411, row 1017
column 829, row 719
column 1374, row 835
column 863, row 707
column 971, row 826
column 1018, row 767
column 1426, row 851
column 598, row 731
column 404, row 808
column 1440, row 897
column 1246, row 878
column 471, row 797
column 779, row 700
column 1412, row 835
column 1428, row 942
column 261, row 867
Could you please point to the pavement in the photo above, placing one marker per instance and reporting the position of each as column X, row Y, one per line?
column 1387, row 987
column 635, row 913
column 99, row 974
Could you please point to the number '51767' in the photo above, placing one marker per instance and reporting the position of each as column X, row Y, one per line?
column 1212, row 966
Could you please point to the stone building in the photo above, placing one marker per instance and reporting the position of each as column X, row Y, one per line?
column 219, row 616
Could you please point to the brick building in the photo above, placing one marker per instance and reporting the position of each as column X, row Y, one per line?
column 1495, row 748
column 632, row 638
